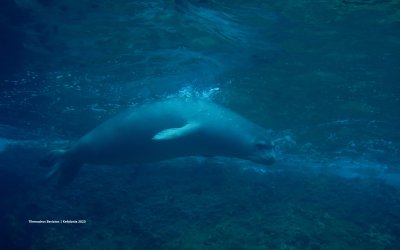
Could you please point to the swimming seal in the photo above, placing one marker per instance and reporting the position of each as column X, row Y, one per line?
column 164, row 130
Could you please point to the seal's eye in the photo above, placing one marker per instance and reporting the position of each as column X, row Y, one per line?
column 262, row 145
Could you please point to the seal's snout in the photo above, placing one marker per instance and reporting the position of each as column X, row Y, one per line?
column 269, row 157
column 272, row 154
column 264, row 153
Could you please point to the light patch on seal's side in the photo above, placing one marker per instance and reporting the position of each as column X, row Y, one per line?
column 174, row 133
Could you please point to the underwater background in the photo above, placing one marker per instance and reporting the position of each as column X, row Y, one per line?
column 323, row 76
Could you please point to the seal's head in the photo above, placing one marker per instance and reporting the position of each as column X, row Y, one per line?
column 263, row 152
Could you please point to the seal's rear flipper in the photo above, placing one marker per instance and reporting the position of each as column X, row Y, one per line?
column 61, row 166
column 67, row 171
column 52, row 158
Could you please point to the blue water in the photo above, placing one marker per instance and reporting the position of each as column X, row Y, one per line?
column 322, row 76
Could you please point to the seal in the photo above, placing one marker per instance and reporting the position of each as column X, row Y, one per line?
column 164, row 130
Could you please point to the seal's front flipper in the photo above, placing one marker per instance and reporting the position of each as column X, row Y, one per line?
column 61, row 166
column 174, row 133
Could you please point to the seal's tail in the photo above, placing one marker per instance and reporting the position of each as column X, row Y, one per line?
column 63, row 167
